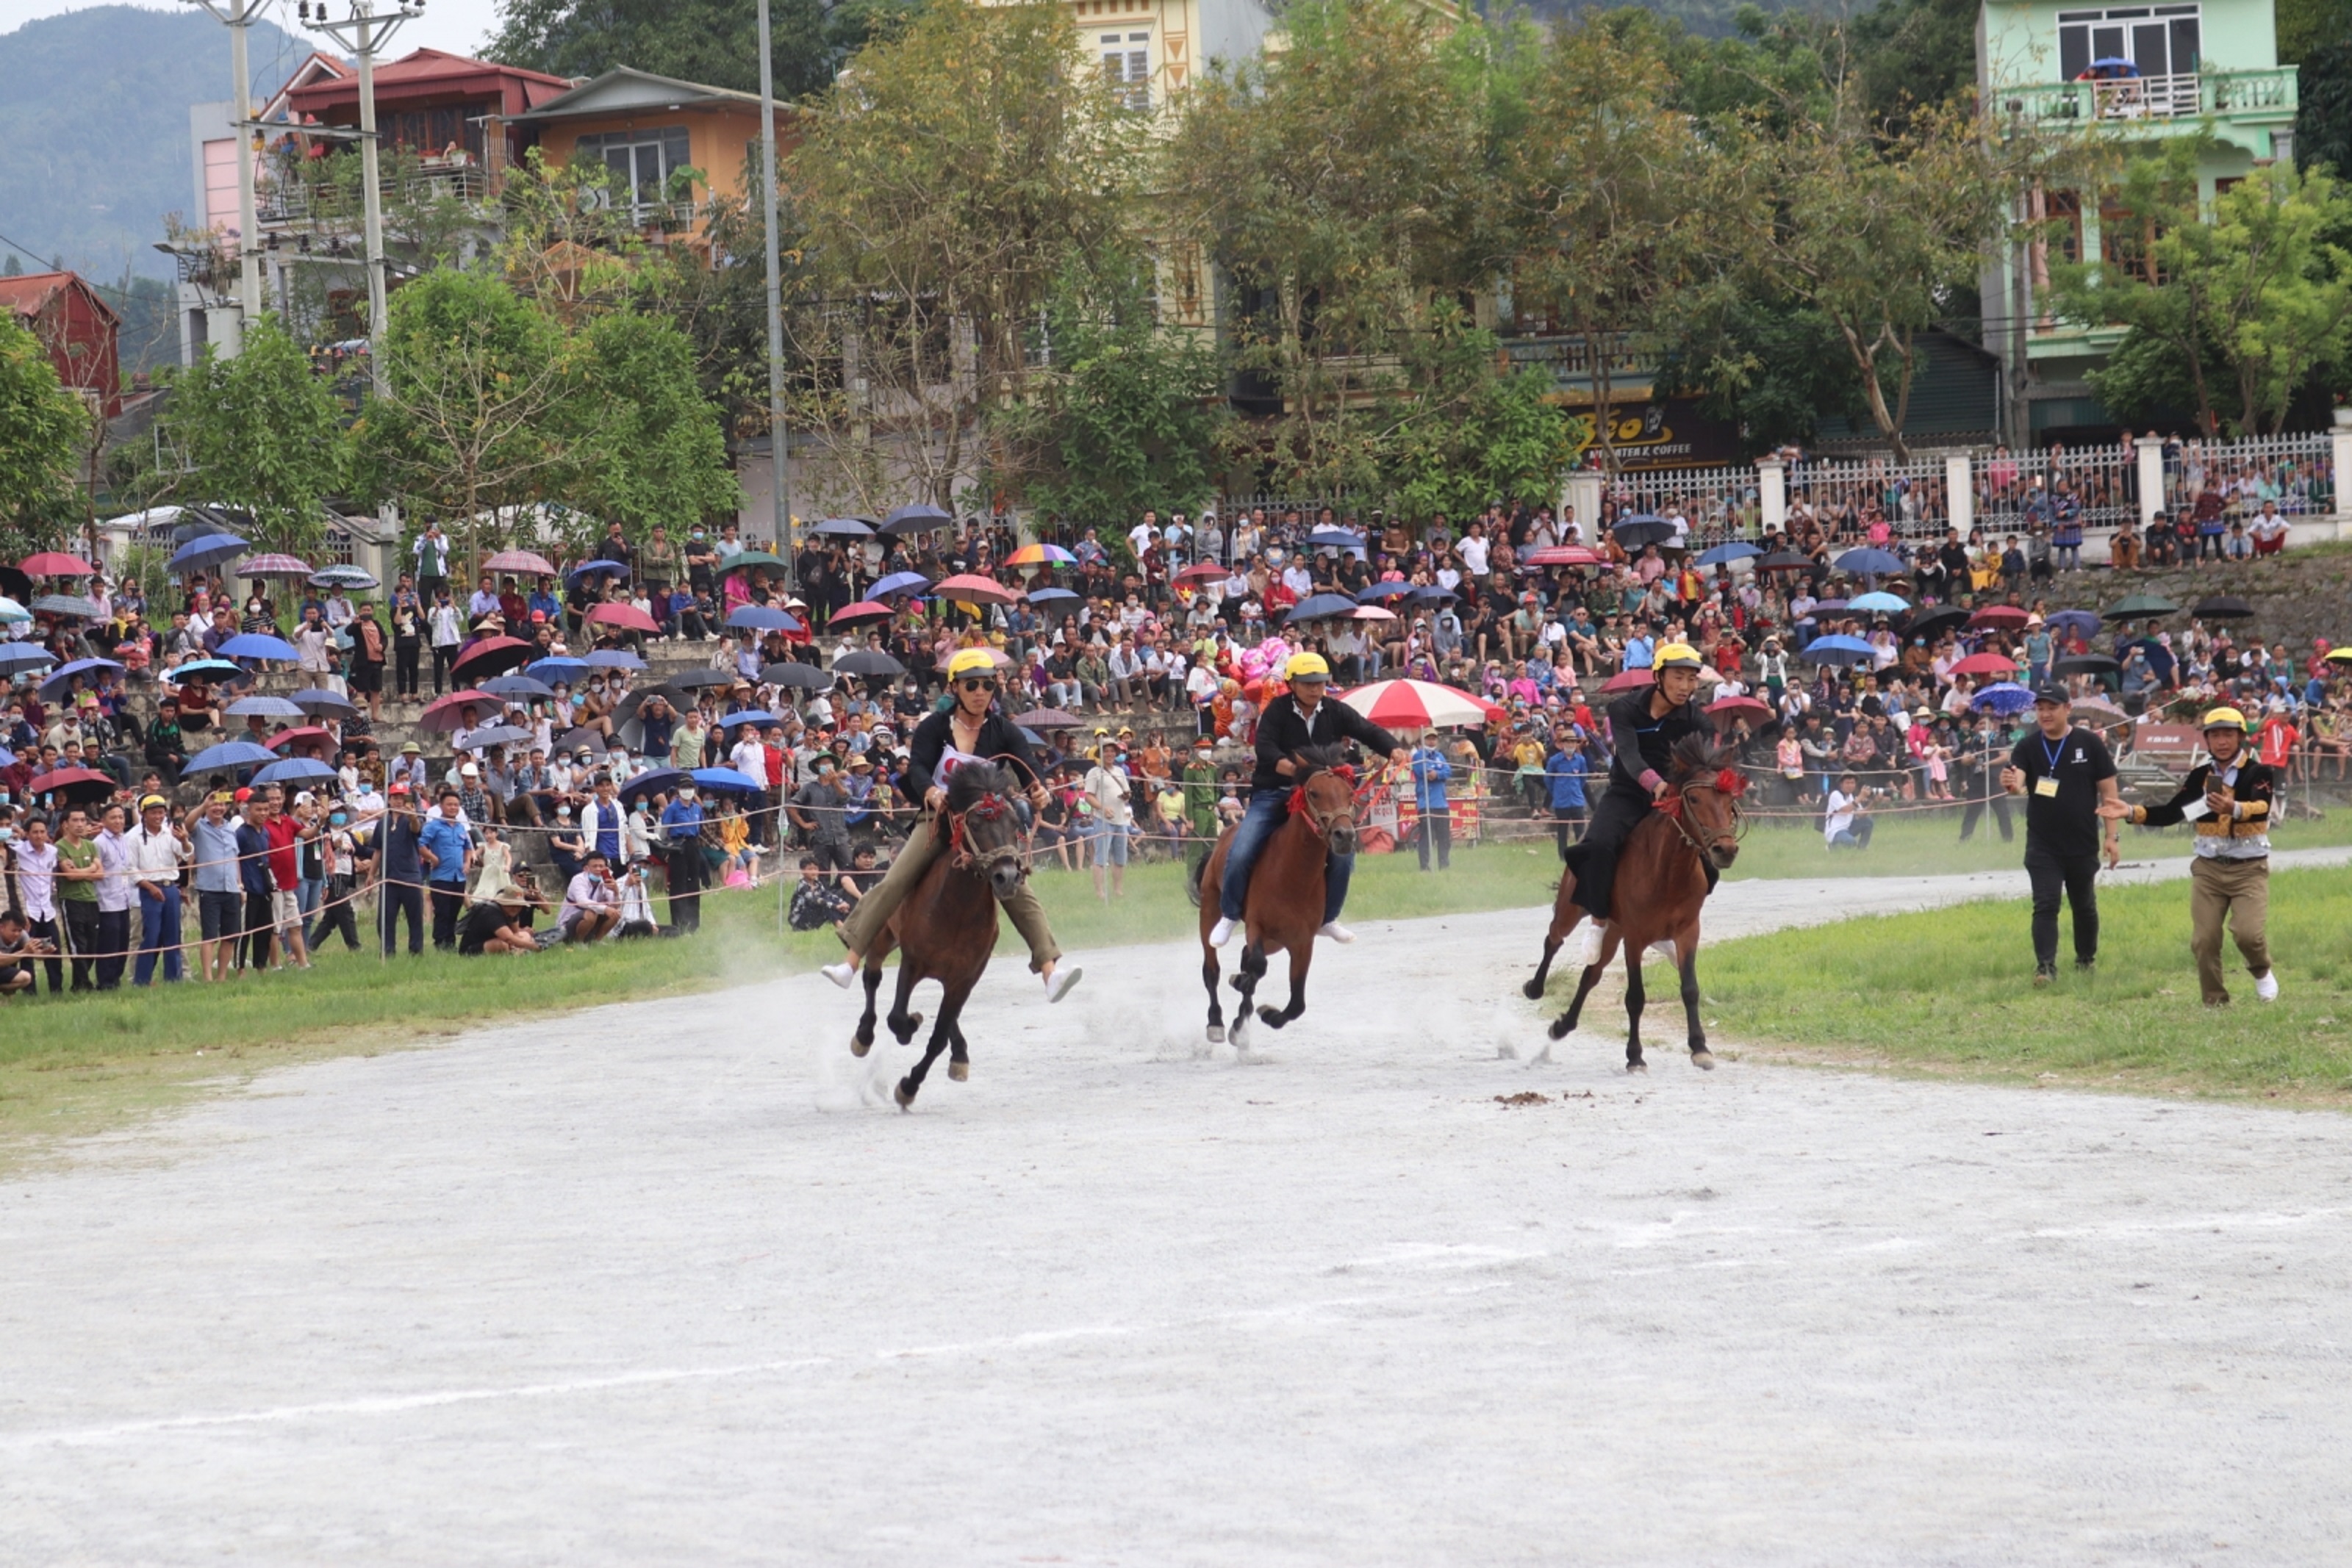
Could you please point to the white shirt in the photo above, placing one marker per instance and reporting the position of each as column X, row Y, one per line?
column 155, row 858
column 1108, row 790
column 1473, row 551
column 1841, row 808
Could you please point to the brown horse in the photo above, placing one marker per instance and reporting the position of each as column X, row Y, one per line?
column 946, row 929
column 1284, row 906
column 1662, row 882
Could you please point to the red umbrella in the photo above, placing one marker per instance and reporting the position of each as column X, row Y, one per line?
column 71, row 778
column 1986, row 665
column 494, row 655
column 286, row 737
column 56, row 563
column 519, row 560
column 1419, row 704
column 1740, row 707
column 626, row 616
column 445, row 714
column 1207, row 571
column 1629, row 681
column 1563, row 555
column 966, row 588
column 2004, row 617
column 864, row 612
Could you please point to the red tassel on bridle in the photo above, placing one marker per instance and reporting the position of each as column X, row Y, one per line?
column 1299, row 792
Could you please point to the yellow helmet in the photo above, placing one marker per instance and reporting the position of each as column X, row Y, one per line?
column 1675, row 656
column 971, row 661
column 2224, row 718
column 1309, row 664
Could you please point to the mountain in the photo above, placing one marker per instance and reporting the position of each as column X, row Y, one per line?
column 96, row 107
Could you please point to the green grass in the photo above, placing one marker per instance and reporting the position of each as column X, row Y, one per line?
column 1949, row 991
column 1928, row 845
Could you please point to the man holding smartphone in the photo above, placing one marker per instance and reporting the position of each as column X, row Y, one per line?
column 2229, row 798
column 2068, row 777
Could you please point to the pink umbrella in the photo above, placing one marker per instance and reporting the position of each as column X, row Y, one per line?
column 56, row 563
column 2008, row 617
column 860, row 614
column 519, row 560
column 626, row 616
column 1737, row 706
column 274, row 565
column 1371, row 612
column 966, row 588
column 1986, row 665
column 445, row 714
column 1563, row 555
column 1419, row 704
column 1629, row 681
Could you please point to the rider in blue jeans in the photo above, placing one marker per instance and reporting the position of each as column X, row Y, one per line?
column 1291, row 724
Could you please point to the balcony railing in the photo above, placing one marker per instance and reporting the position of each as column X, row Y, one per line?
column 2258, row 94
column 325, row 201
column 1572, row 358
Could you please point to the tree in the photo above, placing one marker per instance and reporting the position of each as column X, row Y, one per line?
column 648, row 445
column 260, row 432
column 1463, row 433
column 1772, row 366
column 714, row 42
column 2323, row 116
column 42, row 428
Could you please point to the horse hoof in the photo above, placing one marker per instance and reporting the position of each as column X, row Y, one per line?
column 1216, row 1034
column 1633, row 1067
column 860, row 1044
column 960, row 1071
column 1559, row 1027
column 1703, row 1059
column 904, row 1093
column 1271, row 1018
column 1533, row 991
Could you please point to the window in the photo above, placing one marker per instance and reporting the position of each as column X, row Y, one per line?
column 2064, row 209
column 2127, row 241
column 1127, row 63
column 641, row 163
column 2161, row 40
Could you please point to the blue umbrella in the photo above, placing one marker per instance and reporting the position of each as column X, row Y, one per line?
column 1838, row 651
column 557, row 669
column 749, row 716
column 588, row 568
column 727, row 780
column 19, row 656
column 1888, row 602
column 516, row 686
column 1385, row 590
column 55, row 680
column 846, row 527
column 1868, row 562
column 258, row 645
column 614, row 658
column 2007, row 696
column 1723, row 555
column 7, row 757
column 206, row 550
column 1643, row 529
column 1429, row 593
column 760, row 618
column 294, row 771
column 211, row 670
column 653, row 779
column 72, row 604
column 229, row 754
column 317, row 701
column 1339, row 538
column 1320, row 607
column 2084, row 621
column 1051, row 595
column 899, row 582
column 266, row 707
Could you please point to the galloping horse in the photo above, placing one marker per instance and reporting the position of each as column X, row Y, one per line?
column 946, row 930
column 1285, row 904
column 1663, row 879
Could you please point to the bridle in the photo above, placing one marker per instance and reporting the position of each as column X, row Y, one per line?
column 1729, row 782
column 1300, row 806
column 989, row 808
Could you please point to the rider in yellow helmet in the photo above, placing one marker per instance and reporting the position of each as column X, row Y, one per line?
column 2230, row 880
column 969, row 729
column 1643, row 730
column 1291, row 724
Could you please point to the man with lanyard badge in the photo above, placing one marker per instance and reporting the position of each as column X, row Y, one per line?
column 2229, row 798
column 2069, row 781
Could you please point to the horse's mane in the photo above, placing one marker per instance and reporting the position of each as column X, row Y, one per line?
column 1696, row 755
column 1317, row 759
column 971, row 783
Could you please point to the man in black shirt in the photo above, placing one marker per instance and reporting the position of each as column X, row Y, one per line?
column 2068, row 778
column 1643, row 730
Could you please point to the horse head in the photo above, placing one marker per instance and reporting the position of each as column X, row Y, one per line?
column 984, row 826
column 1707, row 785
column 1324, row 792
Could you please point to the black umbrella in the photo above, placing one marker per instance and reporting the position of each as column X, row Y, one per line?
column 868, row 662
column 16, row 584
column 1786, row 560
column 581, row 739
column 2141, row 607
column 1643, row 530
column 2223, row 607
column 916, row 520
column 701, row 680
column 638, row 699
column 1936, row 622
column 2086, row 665
column 793, row 674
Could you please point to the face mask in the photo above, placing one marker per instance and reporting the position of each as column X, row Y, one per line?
column 338, row 819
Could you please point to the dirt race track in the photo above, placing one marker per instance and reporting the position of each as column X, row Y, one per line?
column 607, row 1293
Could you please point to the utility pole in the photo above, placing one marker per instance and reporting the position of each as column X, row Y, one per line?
column 364, row 34
column 238, row 15
column 786, row 545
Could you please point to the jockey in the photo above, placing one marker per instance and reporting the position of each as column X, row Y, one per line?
column 1643, row 730
column 968, row 730
column 1293, row 723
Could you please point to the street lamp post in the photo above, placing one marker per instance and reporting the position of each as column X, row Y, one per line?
column 364, row 34
column 783, row 514
column 238, row 15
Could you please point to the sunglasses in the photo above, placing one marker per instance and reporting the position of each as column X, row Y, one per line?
column 978, row 682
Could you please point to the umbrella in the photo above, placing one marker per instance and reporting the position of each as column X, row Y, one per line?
column 294, row 771
column 72, row 604
column 2003, row 617
column 229, row 754
column 2141, row 607
column 1868, row 562
column 1319, row 607
column 612, row 659
column 588, row 568
column 2115, row 65
column 792, row 673
column 844, row 528
column 1936, row 622
column 920, row 519
column 760, row 618
column 1048, row 718
column 1786, row 560
column 55, row 680
column 1371, row 612
column 1723, row 555
column 14, row 583
column 266, row 705
column 1041, row 555
column 1418, row 704
column 704, row 680
column 1337, row 539
column 559, row 668
column 1831, row 605
column 258, row 645
column 864, row 612
column 2006, row 697
column 868, row 662
column 969, row 587
column 750, row 558
column 1385, row 590
column 1206, row 571
column 727, row 780
column 2222, row 607
column 1643, row 529
column 343, row 577
column 17, row 657
column 996, row 656
column 317, row 701
column 1740, row 706
column 899, row 582
column 1054, row 595
column 1986, row 665
column 1429, row 593
column 1838, row 651
column 286, row 737
column 208, row 551
column 219, row 670
column 524, row 686
column 521, row 561
column 2086, row 665
column 275, row 566
column 56, row 563
column 73, row 781
column 494, row 734
column 749, row 716
column 13, row 612
column 627, row 617
column 493, row 656
column 1884, row 602
column 2082, row 622
column 2099, row 706
column 2340, row 655
column 443, row 715
column 653, row 779
column 1564, row 554
column 1629, row 681
column 581, row 739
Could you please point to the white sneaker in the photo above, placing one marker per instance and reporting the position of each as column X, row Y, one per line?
column 1666, row 950
column 2266, row 988
column 840, row 974
column 1058, row 984
column 1222, row 931
column 1587, row 944
column 1336, row 932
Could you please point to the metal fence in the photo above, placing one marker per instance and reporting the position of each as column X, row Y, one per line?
column 2295, row 471
column 1717, row 501
column 1848, row 497
column 2103, row 480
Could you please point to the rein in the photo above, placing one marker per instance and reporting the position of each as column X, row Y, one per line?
column 988, row 808
column 1728, row 781
column 1299, row 806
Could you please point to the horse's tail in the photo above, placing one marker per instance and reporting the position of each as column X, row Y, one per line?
column 1192, row 880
